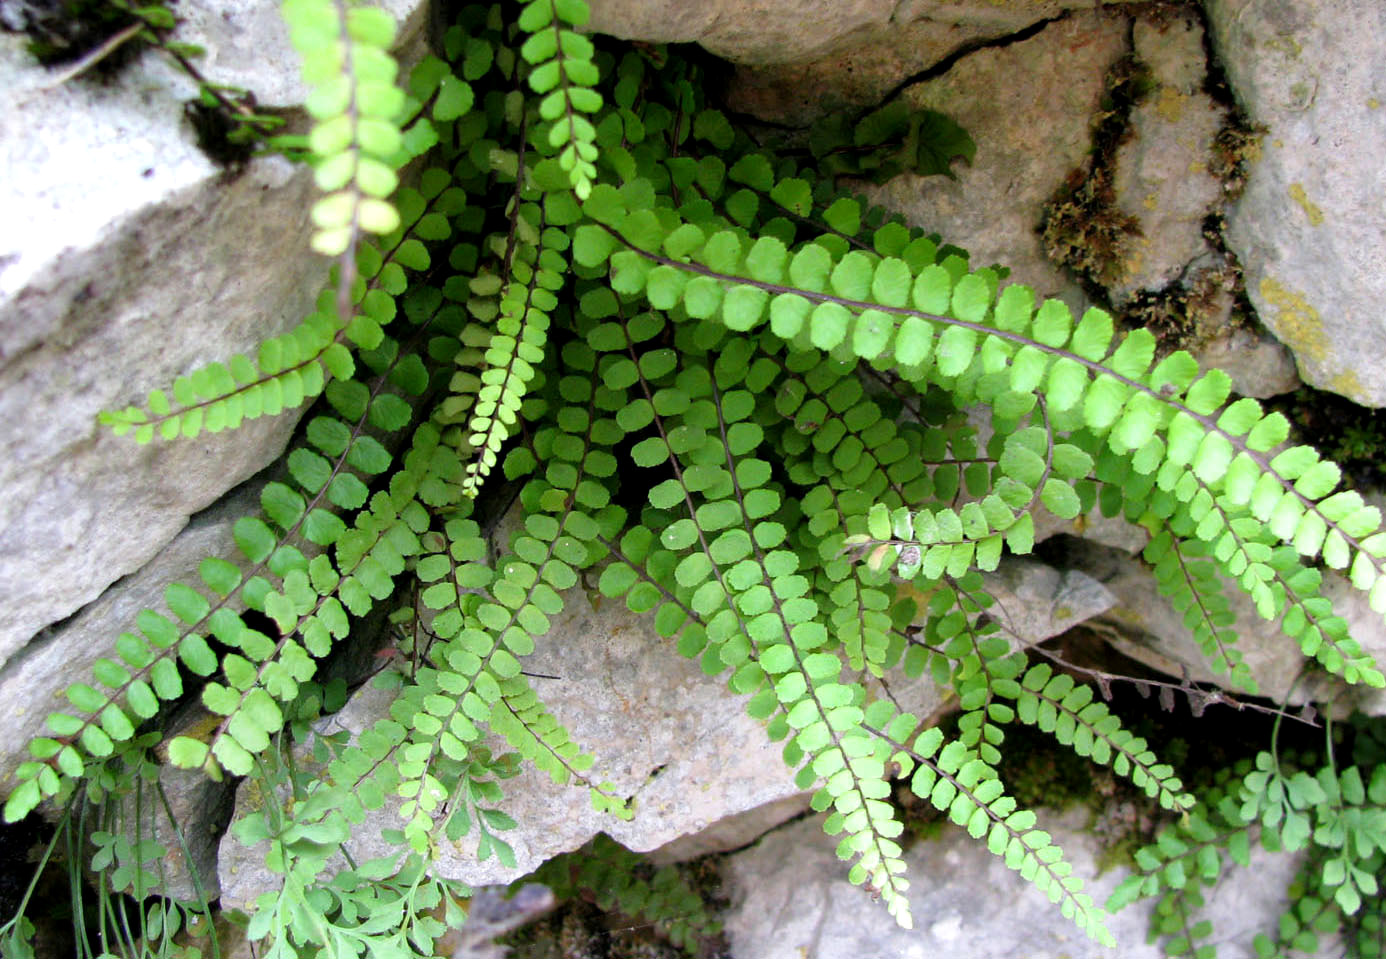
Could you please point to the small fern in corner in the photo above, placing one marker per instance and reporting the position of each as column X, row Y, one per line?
column 732, row 396
column 1333, row 817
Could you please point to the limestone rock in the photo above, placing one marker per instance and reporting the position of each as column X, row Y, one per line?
column 764, row 32
column 1162, row 180
column 33, row 682
column 733, row 832
column 247, row 45
column 854, row 77
column 1035, row 602
column 791, row 900
column 1259, row 364
column 1172, row 50
column 128, row 260
column 1309, row 229
column 743, row 31
column 994, row 206
column 1143, row 625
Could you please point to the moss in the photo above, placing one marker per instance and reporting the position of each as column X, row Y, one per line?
column 1084, row 231
column 1236, row 148
column 1082, row 228
column 1188, row 315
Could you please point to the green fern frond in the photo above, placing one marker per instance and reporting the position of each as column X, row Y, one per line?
column 740, row 400
column 956, row 781
column 564, row 76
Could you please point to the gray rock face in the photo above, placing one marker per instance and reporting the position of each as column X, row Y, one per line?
column 791, row 900
column 1161, row 178
column 764, row 32
column 856, row 75
column 1142, row 624
column 1310, row 230
column 1259, row 364
column 994, row 205
column 1035, row 602
column 33, row 682
column 128, row 260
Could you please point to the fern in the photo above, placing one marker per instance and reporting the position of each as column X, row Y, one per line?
column 733, row 396
column 619, row 880
column 1337, row 817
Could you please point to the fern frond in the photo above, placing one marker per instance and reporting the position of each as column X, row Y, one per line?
column 1003, row 348
column 954, row 780
column 297, row 366
column 1066, row 709
column 355, row 106
column 563, row 74
column 147, row 671
column 516, row 349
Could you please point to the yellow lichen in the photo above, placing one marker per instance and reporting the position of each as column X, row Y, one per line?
column 1310, row 209
column 1170, row 106
column 1346, row 384
column 1296, row 323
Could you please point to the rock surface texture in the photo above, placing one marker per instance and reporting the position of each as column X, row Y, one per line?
column 790, row 900
column 112, row 285
column 130, row 258
column 1310, row 230
column 993, row 207
column 1162, row 178
column 764, row 32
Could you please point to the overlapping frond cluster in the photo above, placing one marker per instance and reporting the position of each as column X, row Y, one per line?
column 1335, row 817
column 735, row 397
